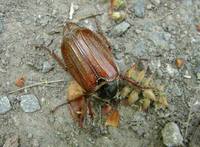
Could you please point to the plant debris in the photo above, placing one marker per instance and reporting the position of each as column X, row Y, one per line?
column 113, row 119
column 20, row 82
column 154, row 94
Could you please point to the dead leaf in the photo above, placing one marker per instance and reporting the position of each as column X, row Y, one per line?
column 113, row 119
column 146, row 104
column 148, row 93
column 125, row 91
column 20, row 82
column 198, row 27
column 162, row 102
column 140, row 75
column 133, row 97
column 74, row 91
column 180, row 62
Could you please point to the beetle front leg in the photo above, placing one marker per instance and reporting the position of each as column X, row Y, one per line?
column 55, row 56
column 90, row 111
column 78, row 109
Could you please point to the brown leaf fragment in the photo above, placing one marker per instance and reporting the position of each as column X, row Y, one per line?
column 180, row 62
column 113, row 119
column 198, row 27
column 20, row 81
column 74, row 90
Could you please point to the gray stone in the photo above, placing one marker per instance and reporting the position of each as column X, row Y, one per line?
column 120, row 29
column 139, row 8
column 29, row 103
column 47, row 66
column 171, row 135
column 4, row 104
column 1, row 25
column 159, row 39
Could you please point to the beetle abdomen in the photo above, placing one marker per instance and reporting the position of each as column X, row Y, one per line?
column 88, row 58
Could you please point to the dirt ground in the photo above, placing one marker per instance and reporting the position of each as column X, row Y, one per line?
column 160, row 31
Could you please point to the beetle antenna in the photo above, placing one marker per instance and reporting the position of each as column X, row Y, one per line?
column 133, row 82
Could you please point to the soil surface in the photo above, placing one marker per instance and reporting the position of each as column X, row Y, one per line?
column 155, row 32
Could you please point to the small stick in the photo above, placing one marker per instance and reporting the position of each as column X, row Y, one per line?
column 89, row 16
column 36, row 84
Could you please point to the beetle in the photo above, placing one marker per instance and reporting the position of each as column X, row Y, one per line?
column 87, row 56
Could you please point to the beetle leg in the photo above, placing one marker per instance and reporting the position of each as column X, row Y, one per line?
column 78, row 109
column 55, row 56
column 58, row 106
column 90, row 111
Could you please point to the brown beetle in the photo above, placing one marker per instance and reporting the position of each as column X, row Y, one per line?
column 88, row 58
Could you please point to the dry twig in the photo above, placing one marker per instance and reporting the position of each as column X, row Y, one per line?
column 36, row 84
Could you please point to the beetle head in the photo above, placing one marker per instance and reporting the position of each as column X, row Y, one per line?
column 108, row 90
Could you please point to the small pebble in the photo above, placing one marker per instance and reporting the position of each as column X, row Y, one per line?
column 4, row 104
column 187, row 76
column 149, row 6
column 47, row 66
column 120, row 29
column 139, row 8
column 171, row 135
column 179, row 62
column 29, row 103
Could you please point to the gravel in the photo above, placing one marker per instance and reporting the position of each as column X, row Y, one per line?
column 29, row 103
column 171, row 135
column 4, row 104
column 120, row 29
column 139, row 8
column 47, row 66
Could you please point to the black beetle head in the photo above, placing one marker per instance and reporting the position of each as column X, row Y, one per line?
column 108, row 90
